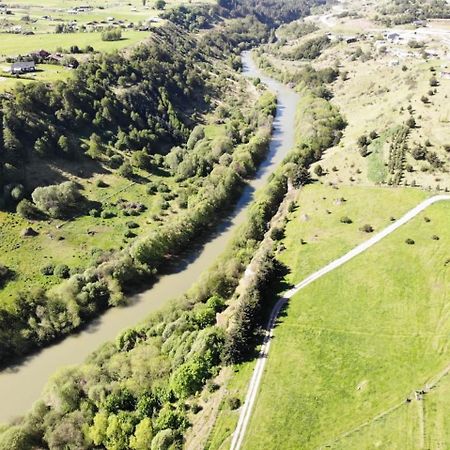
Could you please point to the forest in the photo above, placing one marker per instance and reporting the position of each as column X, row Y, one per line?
column 407, row 11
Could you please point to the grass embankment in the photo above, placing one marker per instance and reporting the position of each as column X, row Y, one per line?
column 360, row 340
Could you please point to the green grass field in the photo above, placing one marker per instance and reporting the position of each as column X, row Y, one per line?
column 359, row 341
column 47, row 73
column 317, row 222
column 16, row 44
column 326, row 239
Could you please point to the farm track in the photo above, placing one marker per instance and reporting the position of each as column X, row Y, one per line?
column 245, row 415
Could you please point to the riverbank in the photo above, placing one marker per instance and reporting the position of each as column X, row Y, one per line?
column 30, row 377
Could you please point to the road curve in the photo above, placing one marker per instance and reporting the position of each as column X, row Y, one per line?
column 244, row 417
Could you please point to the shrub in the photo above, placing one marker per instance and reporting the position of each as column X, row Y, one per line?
column 27, row 210
column 362, row 141
column 318, row 170
column 115, row 161
column 62, row 271
column 101, row 184
column 234, row 403
column 367, row 228
column 410, row 241
column 125, row 170
column 277, row 234
column 364, row 151
column 112, row 35
column 411, row 122
column 346, row 219
column 435, row 237
column 5, row 274
column 58, row 200
column 48, row 270
column 132, row 225
column 107, row 214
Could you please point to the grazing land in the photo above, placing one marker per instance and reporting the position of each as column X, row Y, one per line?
column 17, row 44
column 360, row 341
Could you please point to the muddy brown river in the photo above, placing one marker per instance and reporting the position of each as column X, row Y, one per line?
column 21, row 385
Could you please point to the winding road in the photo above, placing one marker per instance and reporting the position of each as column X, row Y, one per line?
column 244, row 418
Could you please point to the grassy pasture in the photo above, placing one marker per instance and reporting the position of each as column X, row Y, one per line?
column 16, row 44
column 48, row 73
column 317, row 222
column 359, row 341
column 326, row 239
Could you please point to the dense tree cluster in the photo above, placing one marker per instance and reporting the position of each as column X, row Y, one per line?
column 310, row 49
column 406, row 11
column 271, row 12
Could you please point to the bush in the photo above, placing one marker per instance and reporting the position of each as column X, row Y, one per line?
column 62, row 271
column 27, row 210
column 277, row 234
column 107, row 214
column 94, row 213
column 132, row 225
column 101, row 184
column 115, row 161
column 5, row 274
column 234, row 403
column 346, row 219
column 48, row 270
column 367, row 228
column 112, row 35
column 58, row 201
column 125, row 170
column 410, row 241
column 411, row 122
column 318, row 170
column 435, row 237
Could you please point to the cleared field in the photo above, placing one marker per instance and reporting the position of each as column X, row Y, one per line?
column 47, row 73
column 317, row 222
column 325, row 238
column 16, row 44
column 358, row 342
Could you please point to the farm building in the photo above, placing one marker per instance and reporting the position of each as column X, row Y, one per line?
column 23, row 67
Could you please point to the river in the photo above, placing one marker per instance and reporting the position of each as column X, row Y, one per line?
column 21, row 385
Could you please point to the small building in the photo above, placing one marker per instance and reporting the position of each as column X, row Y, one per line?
column 23, row 67
column 445, row 74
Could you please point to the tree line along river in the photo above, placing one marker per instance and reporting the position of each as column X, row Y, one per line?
column 21, row 384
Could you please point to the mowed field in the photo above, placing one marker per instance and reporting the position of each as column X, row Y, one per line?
column 359, row 342
column 17, row 44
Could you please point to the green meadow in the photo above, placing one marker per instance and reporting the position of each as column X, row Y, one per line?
column 361, row 340
column 17, row 44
